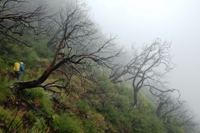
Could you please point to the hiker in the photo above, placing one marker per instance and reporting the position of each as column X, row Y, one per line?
column 18, row 68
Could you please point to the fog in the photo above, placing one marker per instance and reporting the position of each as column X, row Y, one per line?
column 141, row 22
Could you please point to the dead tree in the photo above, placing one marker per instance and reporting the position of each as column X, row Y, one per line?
column 147, row 68
column 18, row 16
column 179, row 115
column 166, row 104
column 173, row 111
column 82, row 47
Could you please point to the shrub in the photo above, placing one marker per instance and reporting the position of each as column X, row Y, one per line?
column 40, row 98
column 82, row 106
column 34, row 93
column 11, row 121
column 39, row 126
column 111, row 114
column 90, row 127
column 3, row 64
column 4, row 90
column 66, row 124
column 146, row 123
column 174, row 129
column 122, row 102
column 105, row 83
column 47, row 105
column 76, row 84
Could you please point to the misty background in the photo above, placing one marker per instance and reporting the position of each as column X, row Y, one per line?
column 78, row 71
column 141, row 22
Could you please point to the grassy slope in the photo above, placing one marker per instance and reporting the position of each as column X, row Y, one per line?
column 73, row 110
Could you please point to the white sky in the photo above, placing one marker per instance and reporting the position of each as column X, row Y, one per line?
column 142, row 21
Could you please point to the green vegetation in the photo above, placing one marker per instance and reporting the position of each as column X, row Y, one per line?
column 74, row 98
column 111, row 111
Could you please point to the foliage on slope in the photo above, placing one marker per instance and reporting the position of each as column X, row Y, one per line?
column 83, row 107
column 75, row 112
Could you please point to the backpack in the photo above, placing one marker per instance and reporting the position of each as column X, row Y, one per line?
column 16, row 67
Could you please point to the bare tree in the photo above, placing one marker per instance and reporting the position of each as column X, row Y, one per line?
column 18, row 16
column 147, row 68
column 80, row 45
column 174, row 112
column 167, row 103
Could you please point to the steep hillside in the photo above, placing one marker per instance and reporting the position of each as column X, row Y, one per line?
column 76, row 79
column 83, row 106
